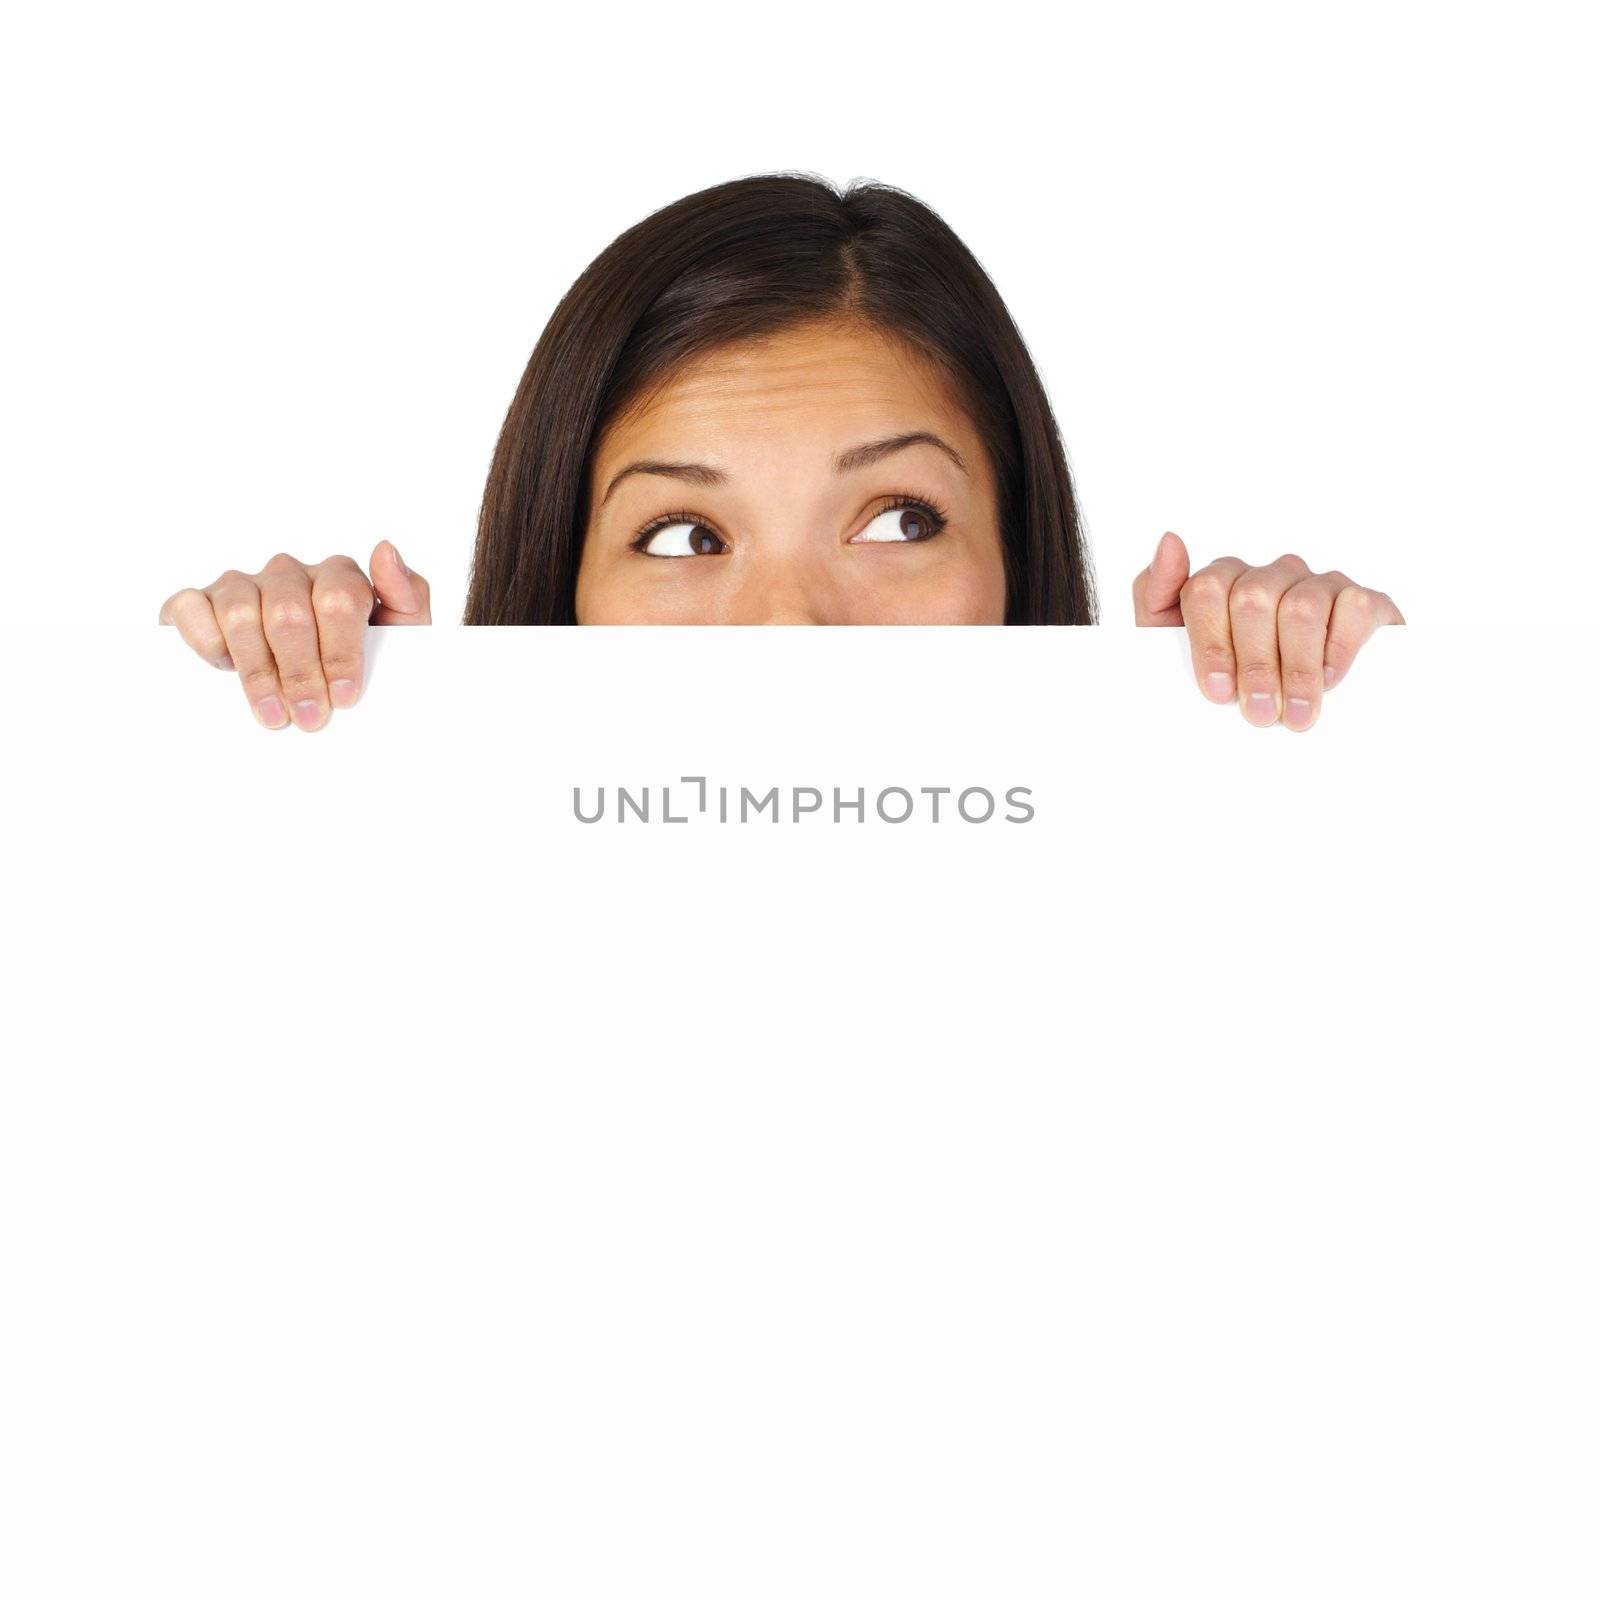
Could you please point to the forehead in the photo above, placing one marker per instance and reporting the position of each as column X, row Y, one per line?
column 823, row 384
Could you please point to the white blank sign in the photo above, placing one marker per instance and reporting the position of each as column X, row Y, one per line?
column 407, row 1188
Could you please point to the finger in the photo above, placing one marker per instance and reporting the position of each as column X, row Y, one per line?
column 1303, row 615
column 189, row 611
column 403, row 598
column 341, row 601
column 291, row 629
column 1155, row 590
column 1357, row 614
column 236, row 601
column 1203, row 601
column 1253, row 617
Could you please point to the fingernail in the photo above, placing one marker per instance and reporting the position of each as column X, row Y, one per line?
column 400, row 558
column 1261, row 709
column 307, row 714
column 270, row 712
column 344, row 693
column 223, row 663
column 1219, row 686
column 1328, row 675
column 1297, row 713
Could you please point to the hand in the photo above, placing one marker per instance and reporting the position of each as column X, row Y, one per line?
column 1273, row 637
column 294, row 633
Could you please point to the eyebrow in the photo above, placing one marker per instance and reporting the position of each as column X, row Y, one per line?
column 852, row 460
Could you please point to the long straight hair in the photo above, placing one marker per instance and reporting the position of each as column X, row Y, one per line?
column 750, row 258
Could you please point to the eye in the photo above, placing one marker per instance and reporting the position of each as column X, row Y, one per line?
column 906, row 522
column 679, row 535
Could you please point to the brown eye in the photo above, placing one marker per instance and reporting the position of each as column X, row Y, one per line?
column 680, row 538
column 911, row 524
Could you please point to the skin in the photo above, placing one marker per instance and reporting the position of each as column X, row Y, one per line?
column 753, row 442
column 774, row 418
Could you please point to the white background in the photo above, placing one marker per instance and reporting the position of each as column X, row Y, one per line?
column 405, row 1190
column 1298, row 278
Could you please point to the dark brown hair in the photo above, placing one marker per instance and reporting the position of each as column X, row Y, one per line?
column 748, row 258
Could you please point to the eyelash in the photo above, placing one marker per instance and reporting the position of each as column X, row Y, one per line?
column 935, row 513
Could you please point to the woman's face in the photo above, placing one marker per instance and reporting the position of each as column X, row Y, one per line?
column 824, row 475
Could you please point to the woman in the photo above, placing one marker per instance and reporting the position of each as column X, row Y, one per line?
column 775, row 402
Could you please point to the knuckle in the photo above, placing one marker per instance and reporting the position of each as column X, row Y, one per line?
column 1204, row 588
column 282, row 562
column 1257, row 672
column 237, row 615
column 342, row 602
column 302, row 679
column 1252, row 596
column 1302, row 605
column 288, row 616
column 259, row 680
column 1303, row 683
column 175, row 605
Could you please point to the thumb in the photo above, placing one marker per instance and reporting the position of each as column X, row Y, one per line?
column 402, row 593
column 1155, row 590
